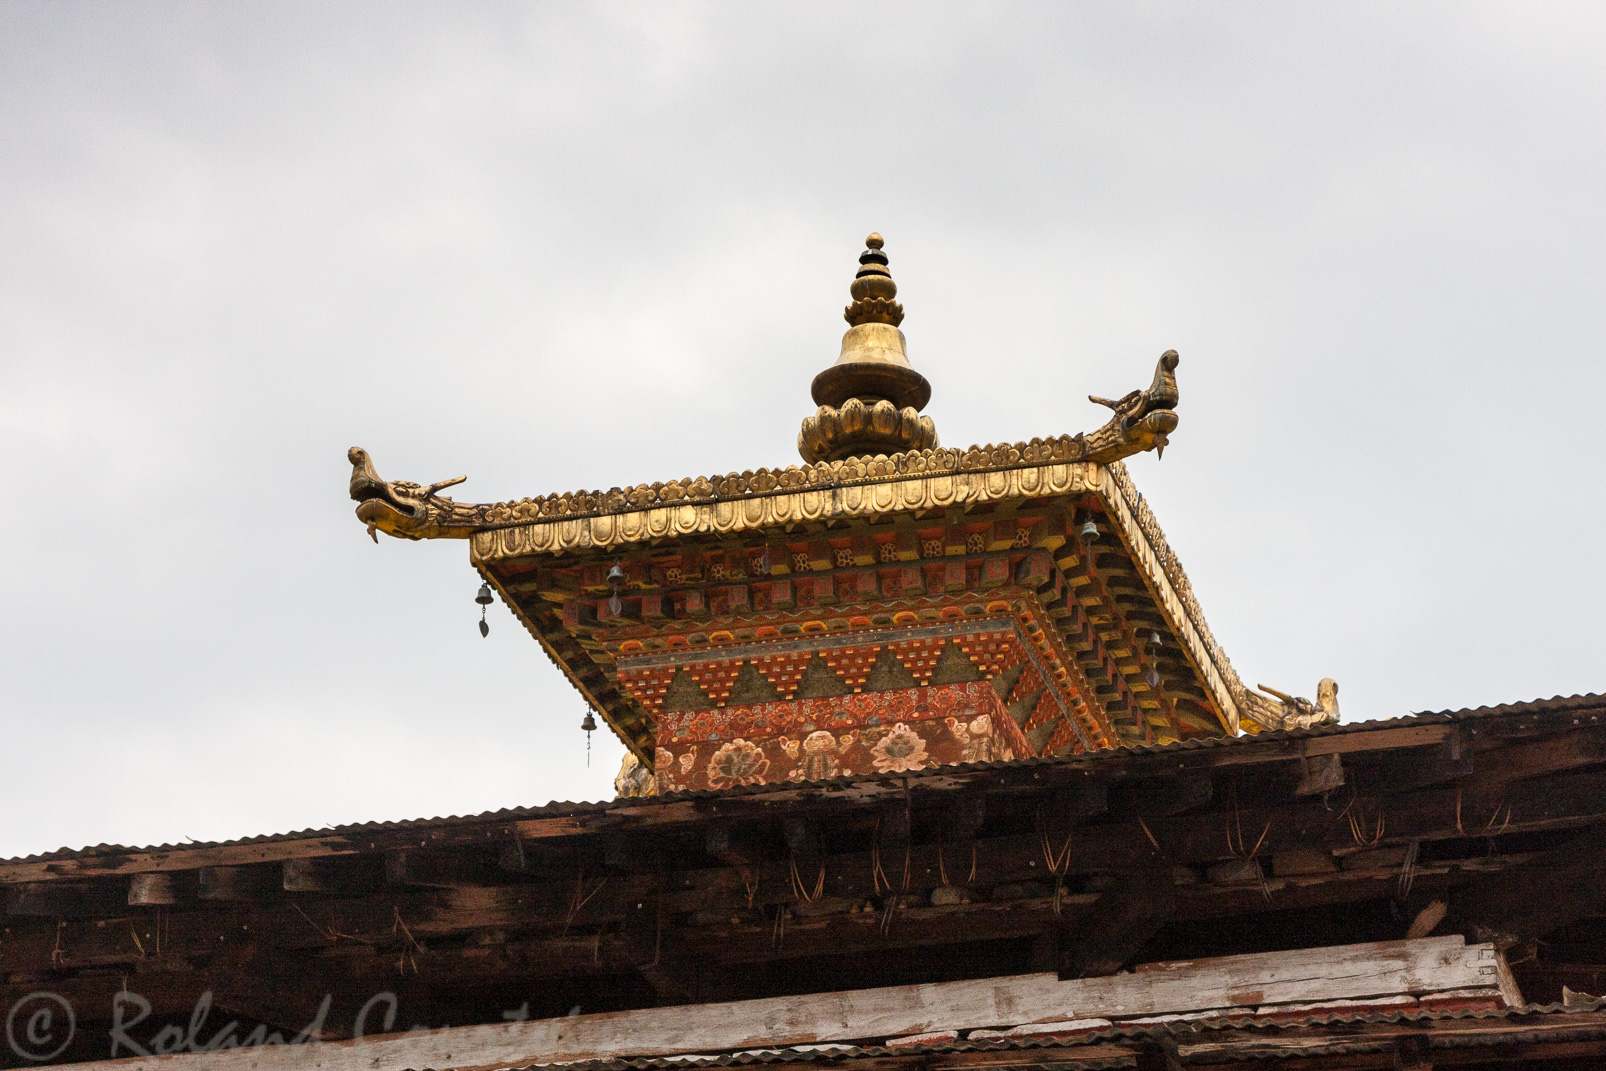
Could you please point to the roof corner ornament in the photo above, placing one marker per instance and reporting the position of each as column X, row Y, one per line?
column 1143, row 418
column 1292, row 711
column 634, row 780
column 408, row 510
column 870, row 399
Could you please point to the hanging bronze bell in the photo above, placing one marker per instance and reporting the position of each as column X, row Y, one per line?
column 589, row 724
column 484, row 598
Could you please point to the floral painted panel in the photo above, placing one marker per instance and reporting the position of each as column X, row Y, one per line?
column 818, row 739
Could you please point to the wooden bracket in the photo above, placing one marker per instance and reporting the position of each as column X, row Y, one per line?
column 1133, row 908
column 1318, row 774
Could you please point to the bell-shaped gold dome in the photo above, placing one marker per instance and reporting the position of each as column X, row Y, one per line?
column 870, row 399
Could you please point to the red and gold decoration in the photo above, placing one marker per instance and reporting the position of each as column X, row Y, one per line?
column 887, row 606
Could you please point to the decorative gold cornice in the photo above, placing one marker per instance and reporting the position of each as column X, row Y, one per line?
column 413, row 511
column 932, row 482
column 1015, row 475
column 904, row 493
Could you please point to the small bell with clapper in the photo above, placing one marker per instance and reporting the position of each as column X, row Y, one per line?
column 484, row 598
column 589, row 724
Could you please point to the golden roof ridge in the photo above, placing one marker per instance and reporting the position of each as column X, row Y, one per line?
column 414, row 511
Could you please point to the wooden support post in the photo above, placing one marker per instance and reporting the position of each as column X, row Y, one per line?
column 306, row 875
column 632, row 854
column 337, row 875
column 239, row 883
column 1318, row 774
column 655, row 956
column 740, row 853
column 152, row 890
column 1133, row 908
column 1164, row 1055
column 965, row 818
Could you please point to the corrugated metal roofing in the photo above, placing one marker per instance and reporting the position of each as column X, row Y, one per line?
column 1556, row 705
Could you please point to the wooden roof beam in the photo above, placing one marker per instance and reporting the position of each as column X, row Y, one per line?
column 877, row 1014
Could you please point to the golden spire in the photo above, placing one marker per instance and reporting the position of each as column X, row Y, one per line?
column 870, row 400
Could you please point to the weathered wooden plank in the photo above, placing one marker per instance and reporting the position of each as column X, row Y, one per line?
column 1349, row 971
column 65, row 900
column 1337, row 744
column 1378, row 740
column 94, row 866
column 1510, row 762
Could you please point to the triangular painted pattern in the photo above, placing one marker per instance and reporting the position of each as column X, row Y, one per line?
column 751, row 686
column 919, row 656
column 716, row 678
column 990, row 652
column 1045, row 710
column 889, row 674
column 647, row 686
column 1063, row 734
column 784, row 670
column 1026, row 684
column 853, row 664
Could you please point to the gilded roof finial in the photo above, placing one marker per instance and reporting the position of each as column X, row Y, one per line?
column 873, row 289
column 870, row 400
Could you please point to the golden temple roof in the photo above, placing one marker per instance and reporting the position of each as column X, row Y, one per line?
column 866, row 534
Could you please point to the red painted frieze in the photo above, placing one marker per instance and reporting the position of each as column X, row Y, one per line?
column 815, row 739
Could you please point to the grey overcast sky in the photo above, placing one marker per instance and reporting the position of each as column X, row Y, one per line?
column 562, row 246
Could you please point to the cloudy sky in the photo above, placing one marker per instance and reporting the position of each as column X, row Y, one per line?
column 562, row 246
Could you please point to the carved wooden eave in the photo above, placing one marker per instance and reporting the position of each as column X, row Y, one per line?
column 511, row 542
column 874, row 490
